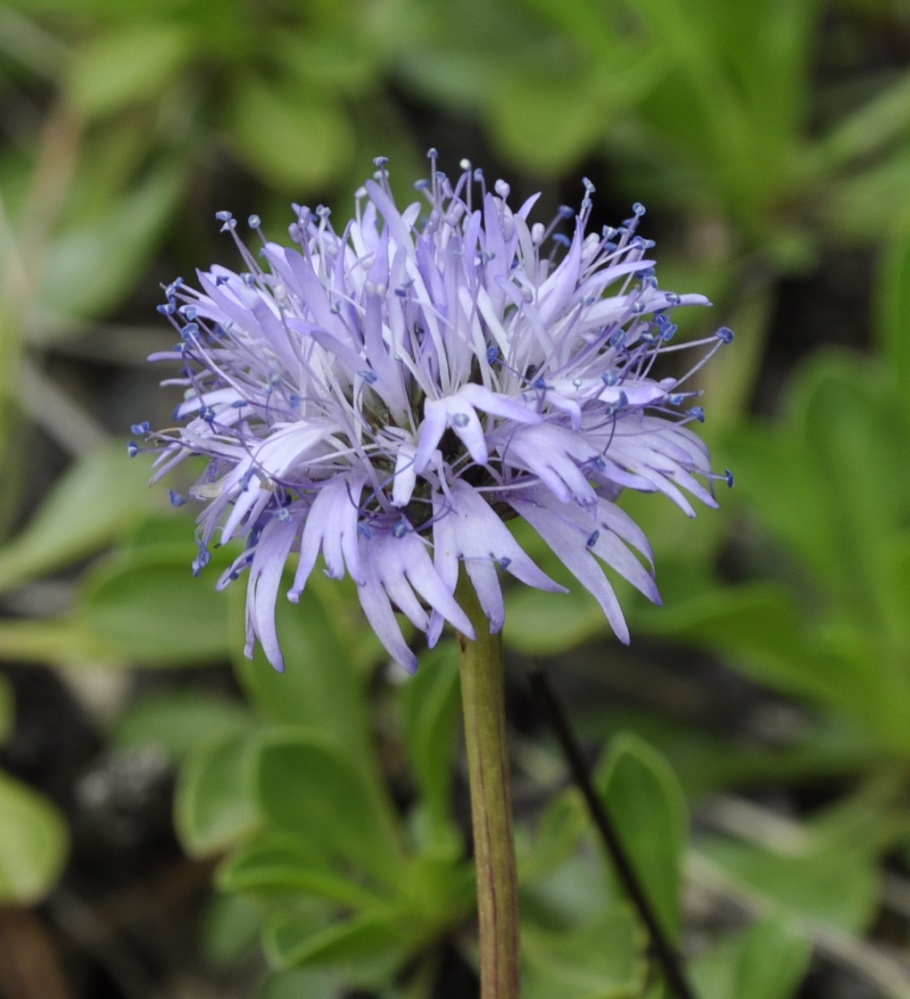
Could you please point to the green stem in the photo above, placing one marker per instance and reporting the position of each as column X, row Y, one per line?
column 483, row 700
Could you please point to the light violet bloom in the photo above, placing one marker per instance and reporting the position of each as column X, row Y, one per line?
column 386, row 397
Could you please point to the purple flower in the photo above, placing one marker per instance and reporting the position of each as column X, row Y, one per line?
column 387, row 396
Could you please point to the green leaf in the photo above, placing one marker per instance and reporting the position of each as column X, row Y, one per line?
column 368, row 948
column 546, row 624
column 7, row 709
column 829, row 884
column 93, row 262
column 286, row 864
column 740, row 965
column 33, row 843
column 430, row 706
column 215, row 806
column 293, row 135
column 314, row 983
column 320, row 688
column 562, row 826
column 892, row 307
column 601, row 960
column 178, row 722
column 147, row 606
column 646, row 803
column 126, row 65
column 230, row 928
column 92, row 503
column 307, row 788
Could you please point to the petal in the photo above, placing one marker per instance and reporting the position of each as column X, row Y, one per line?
column 271, row 554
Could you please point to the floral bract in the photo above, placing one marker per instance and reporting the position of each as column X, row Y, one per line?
column 386, row 397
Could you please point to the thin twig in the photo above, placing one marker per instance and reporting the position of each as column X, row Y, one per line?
column 664, row 950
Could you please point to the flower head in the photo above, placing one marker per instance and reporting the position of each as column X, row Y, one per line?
column 387, row 396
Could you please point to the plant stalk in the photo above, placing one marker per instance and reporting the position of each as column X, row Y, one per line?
column 483, row 700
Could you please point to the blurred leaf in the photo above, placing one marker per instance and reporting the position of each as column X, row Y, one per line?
column 544, row 624
column 601, row 960
column 314, row 983
column 93, row 502
column 430, row 705
column 320, row 688
column 648, row 808
column 309, row 789
column 740, row 965
column 560, row 829
column 229, row 930
column 368, row 948
column 893, row 309
column 7, row 709
column 92, row 263
column 178, row 722
column 126, row 64
column 283, row 863
column 148, row 607
column 33, row 843
column 215, row 806
column 294, row 135
column 832, row 885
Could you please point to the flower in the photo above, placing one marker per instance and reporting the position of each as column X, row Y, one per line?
column 387, row 396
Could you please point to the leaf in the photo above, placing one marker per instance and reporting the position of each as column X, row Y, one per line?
column 33, row 843
column 892, row 308
column 7, row 709
column 430, row 706
column 147, row 606
column 125, row 65
column 308, row 789
column 284, row 863
column 92, row 503
column 600, row 960
column 93, row 262
column 215, row 806
column 740, row 965
column 293, row 135
column 320, row 689
column 647, row 806
column 368, row 948
column 178, row 722
column 830, row 884
column 564, row 823
column 229, row 930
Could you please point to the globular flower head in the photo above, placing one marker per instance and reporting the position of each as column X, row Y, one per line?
column 385, row 397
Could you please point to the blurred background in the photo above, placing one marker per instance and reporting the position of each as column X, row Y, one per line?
column 754, row 740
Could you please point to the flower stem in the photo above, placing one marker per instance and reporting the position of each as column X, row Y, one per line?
column 483, row 700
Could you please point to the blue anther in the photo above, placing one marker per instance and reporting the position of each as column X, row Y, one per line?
column 461, row 419
column 176, row 498
column 492, row 355
column 728, row 477
column 141, row 428
column 504, row 562
column 592, row 539
column 254, row 221
column 639, row 208
column 401, row 529
column 698, row 413
column 132, row 449
column 609, row 378
column 364, row 530
column 370, row 377
column 725, row 334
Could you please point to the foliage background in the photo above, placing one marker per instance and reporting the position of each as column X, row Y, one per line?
column 757, row 731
